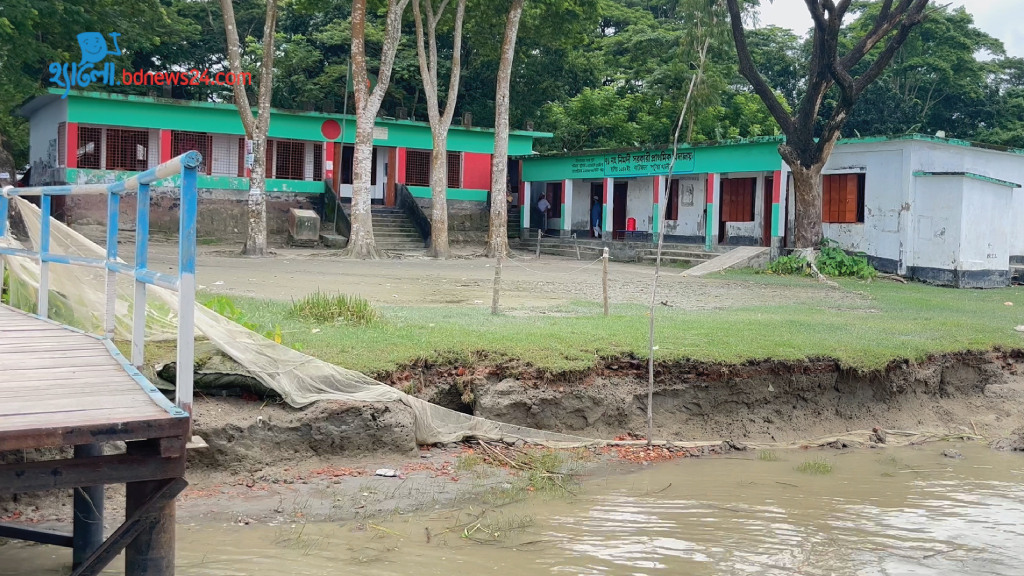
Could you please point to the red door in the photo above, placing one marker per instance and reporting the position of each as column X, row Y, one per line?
column 766, row 213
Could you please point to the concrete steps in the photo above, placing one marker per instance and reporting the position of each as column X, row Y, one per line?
column 392, row 230
column 671, row 254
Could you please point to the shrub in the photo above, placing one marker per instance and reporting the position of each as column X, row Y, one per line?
column 226, row 307
column 767, row 456
column 816, row 466
column 834, row 261
column 788, row 265
column 324, row 308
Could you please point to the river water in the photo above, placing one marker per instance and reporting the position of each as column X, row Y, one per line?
column 880, row 512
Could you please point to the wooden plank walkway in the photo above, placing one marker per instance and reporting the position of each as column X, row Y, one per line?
column 60, row 387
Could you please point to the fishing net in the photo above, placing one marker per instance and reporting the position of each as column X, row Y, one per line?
column 78, row 296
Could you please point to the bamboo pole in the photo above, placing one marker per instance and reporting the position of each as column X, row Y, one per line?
column 604, row 279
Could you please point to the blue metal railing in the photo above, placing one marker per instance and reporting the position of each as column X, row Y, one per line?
column 184, row 284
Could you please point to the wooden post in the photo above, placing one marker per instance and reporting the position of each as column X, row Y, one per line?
column 604, row 279
column 151, row 553
column 497, row 286
column 87, row 531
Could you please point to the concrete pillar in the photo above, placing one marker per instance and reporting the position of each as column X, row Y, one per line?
column 524, row 209
column 165, row 146
column 711, row 211
column 71, row 145
column 609, row 199
column 656, row 206
column 566, row 207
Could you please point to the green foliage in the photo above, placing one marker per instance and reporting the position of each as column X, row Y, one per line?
column 816, row 466
column 226, row 307
column 768, row 456
column 324, row 308
column 788, row 265
column 834, row 261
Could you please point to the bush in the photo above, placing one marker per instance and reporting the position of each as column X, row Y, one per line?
column 789, row 265
column 226, row 307
column 324, row 308
column 834, row 261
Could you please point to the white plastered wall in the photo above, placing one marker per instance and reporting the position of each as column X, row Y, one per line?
column 43, row 133
column 692, row 205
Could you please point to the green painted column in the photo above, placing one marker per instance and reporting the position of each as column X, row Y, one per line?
column 711, row 212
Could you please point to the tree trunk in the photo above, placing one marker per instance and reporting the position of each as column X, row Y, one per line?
column 256, row 206
column 362, row 244
column 439, row 247
column 497, row 231
column 256, row 128
column 807, row 190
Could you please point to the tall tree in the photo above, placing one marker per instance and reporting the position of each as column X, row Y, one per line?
column 807, row 148
column 497, row 231
column 440, row 121
column 361, row 243
column 256, row 128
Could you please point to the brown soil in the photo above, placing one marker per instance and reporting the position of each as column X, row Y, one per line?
column 270, row 462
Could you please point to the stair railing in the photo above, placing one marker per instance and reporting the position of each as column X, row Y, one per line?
column 333, row 211
column 407, row 204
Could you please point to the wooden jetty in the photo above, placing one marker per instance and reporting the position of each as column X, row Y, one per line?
column 61, row 388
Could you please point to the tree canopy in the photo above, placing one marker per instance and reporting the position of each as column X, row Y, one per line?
column 597, row 73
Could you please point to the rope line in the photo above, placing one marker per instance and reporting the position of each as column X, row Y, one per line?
column 513, row 261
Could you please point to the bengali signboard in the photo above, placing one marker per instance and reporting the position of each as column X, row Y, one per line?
column 587, row 167
column 645, row 163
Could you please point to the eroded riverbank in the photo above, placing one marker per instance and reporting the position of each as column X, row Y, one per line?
column 881, row 511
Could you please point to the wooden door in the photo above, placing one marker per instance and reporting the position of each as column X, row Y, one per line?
column 737, row 202
column 766, row 213
column 619, row 210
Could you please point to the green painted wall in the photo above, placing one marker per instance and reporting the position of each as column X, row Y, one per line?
column 85, row 176
column 726, row 157
column 453, row 193
column 217, row 118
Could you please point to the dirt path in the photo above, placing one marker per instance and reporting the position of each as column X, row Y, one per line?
column 468, row 281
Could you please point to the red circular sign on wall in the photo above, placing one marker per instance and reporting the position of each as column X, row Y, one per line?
column 330, row 129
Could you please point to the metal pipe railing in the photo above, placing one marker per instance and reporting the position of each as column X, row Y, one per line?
column 184, row 284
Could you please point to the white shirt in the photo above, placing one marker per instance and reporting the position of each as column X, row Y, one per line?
column 543, row 205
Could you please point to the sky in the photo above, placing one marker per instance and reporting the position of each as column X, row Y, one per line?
column 1000, row 18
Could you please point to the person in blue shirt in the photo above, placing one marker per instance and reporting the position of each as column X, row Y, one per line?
column 595, row 216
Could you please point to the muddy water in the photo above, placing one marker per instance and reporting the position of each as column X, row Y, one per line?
column 901, row 511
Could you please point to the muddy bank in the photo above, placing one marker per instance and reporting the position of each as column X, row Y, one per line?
column 757, row 401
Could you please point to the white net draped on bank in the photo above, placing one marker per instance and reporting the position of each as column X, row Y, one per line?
column 78, row 297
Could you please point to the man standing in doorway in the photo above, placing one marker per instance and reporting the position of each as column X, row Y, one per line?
column 595, row 216
column 543, row 206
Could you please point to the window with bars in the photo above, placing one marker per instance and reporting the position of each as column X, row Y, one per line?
column 417, row 167
column 289, row 160
column 738, row 199
column 318, row 161
column 672, row 208
column 62, row 144
column 842, row 199
column 241, row 157
column 89, row 141
column 455, row 169
column 201, row 142
column 127, row 150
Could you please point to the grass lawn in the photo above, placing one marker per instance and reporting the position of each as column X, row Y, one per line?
column 890, row 321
